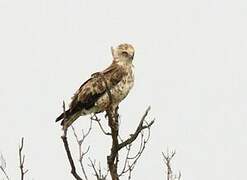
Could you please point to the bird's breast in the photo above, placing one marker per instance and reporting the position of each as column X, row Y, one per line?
column 118, row 92
column 123, row 87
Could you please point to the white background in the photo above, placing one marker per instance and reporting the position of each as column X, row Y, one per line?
column 190, row 66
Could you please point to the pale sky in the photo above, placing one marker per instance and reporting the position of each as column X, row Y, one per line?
column 190, row 66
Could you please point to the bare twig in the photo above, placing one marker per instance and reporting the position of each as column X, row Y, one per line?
column 94, row 168
column 73, row 169
column 65, row 128
column 5, row 173
column 3, row 166
column 22, row 160
column 130, row 162
column 167, row 160
column 95, row 118
column 97, row 173
column 126, row 162
column 138, row 130
column 66, row 146
column 81, row 152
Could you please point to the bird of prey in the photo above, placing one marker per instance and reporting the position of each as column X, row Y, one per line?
column 108, row 87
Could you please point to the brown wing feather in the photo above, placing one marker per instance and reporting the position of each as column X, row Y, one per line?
column 95, row 87
column 87, row 94
column 114, row 74
column 91, row 90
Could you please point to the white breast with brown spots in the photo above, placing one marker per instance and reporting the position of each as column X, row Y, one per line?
column 118, row 92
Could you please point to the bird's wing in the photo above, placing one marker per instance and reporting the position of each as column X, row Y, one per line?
column 95, row 87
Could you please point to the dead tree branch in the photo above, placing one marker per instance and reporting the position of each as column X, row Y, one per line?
column 95, row 118
column 81, row 152
column 73, row 169
column 97, row 172
column 112, row 159
column 22, row 160
column 66, row 146
column 3, row 167
column 129, row 162
column 169, row 172
column 138, row 130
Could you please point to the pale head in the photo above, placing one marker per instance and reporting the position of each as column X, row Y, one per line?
column 124, row 52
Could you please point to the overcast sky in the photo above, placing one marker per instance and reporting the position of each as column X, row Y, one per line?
column 190, row 66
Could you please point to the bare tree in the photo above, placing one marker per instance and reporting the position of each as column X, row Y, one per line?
column 113, row 159
column 117, row 144
column 167, row 157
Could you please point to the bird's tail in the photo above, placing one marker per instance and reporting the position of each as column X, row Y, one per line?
column 68, row 118
column 63, row 115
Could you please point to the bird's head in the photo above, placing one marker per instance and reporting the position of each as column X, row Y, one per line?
column 124, row 52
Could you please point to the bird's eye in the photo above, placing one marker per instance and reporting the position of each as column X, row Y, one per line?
column 125, row 54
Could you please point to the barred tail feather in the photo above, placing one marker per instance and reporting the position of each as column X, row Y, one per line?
column 69, row 120
column 62, row 115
